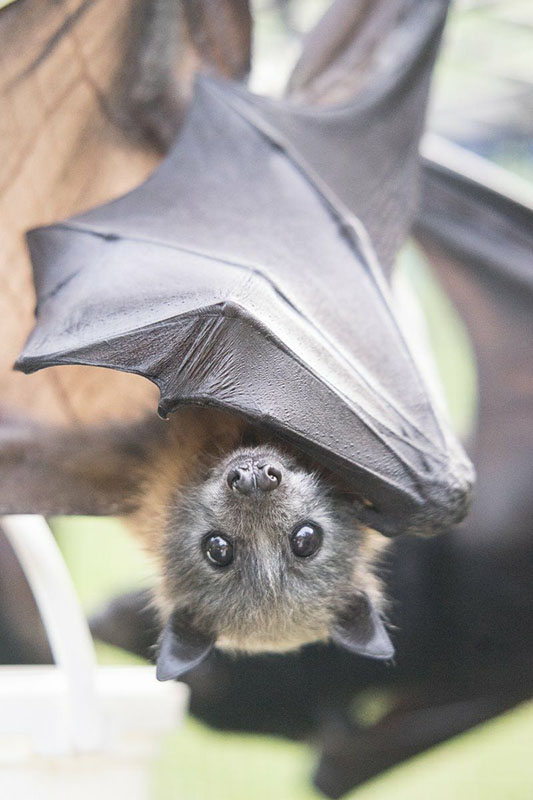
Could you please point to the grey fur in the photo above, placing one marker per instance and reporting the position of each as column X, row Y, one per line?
column 268, row 598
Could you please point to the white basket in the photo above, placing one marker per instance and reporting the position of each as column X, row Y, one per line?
column 75, row 729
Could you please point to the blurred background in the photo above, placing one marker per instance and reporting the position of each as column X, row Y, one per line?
column 482, row 99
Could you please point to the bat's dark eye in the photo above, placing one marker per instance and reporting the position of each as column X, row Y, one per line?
column 218, row 549
column 306, row 539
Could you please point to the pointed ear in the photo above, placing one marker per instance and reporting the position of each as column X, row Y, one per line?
column 181, row 647
column 360, row 630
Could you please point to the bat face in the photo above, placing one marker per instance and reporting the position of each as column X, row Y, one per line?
column 259, row 554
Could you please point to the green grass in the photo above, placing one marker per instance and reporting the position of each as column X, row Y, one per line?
column 491, row 762
column 199, row 763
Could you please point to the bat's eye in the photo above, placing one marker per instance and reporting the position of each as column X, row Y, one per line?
column 217, row 549
column 306, row 539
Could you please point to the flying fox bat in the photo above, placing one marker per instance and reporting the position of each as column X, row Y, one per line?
column 240, row 278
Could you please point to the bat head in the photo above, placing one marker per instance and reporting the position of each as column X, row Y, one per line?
column 261, row 555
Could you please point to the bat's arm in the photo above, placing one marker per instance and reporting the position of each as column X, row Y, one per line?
column 81, row 470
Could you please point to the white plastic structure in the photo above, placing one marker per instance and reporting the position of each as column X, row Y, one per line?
column 75, row 729
column 64, row 622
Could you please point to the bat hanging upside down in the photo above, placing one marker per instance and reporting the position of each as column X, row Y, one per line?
column 256, row 550
column 241, row 275
column 267, row 300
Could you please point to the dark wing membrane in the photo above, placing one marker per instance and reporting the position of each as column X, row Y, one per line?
column 465, row 211
column 480, row 240
column 476, row 225
column 379, row 56
column 229, row 278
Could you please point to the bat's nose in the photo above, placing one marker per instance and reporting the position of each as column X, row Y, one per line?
column 254, row 476
column 268, row 476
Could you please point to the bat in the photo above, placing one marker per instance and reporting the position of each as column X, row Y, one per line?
column 240, row 277
column 255, row 550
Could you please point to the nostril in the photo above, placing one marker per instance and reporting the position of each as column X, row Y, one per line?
column 269, row 477
column 241, row 479
column 233, row 478
column 274, row 474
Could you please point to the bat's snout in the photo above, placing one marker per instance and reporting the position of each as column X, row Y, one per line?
column 254, row 476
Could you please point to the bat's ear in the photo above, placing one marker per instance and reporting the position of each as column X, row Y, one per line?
column 181, row 647
column 360, row 630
